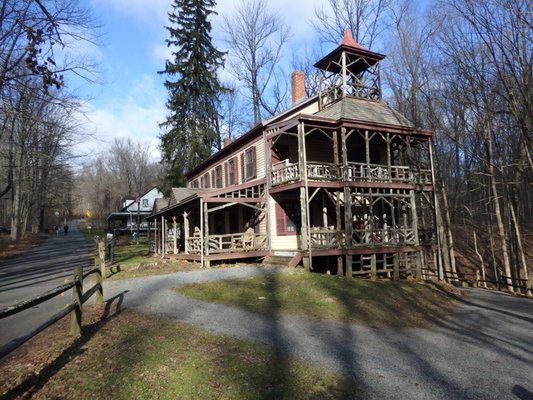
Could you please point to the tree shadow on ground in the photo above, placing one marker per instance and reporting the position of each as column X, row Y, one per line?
column 31, row 385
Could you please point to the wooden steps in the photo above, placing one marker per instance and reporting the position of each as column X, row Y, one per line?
column 290, row 261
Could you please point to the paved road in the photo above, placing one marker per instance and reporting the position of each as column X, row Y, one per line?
column 482, row 351
column 39, row 270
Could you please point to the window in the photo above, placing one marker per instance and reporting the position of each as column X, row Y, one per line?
column 248, row 164
column 288, row 220
column 217, row 181
column 231, row 172
column 205, row 181
column 194, row 184
column 144, row 203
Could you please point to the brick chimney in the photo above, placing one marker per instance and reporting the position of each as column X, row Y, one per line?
column 298, row 86
column 226, row 142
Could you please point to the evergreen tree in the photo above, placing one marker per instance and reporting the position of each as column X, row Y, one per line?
column 193, row 87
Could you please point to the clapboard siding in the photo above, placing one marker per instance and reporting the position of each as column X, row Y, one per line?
column 280, row 242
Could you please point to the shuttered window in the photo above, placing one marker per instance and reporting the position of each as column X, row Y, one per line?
column 288, row 218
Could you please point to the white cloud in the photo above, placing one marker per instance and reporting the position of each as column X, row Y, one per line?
column 147, row 11
column 135, row 115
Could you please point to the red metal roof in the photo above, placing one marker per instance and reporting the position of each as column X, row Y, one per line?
column 348, row 40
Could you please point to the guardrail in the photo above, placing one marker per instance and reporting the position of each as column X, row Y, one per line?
column 524, row 285
column 74, row 308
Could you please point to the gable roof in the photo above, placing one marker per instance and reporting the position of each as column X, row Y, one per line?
column 159, row 204
column 252, row 134
column 353, row 108
column 180, row 193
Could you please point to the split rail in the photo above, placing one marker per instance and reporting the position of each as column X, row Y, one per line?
column 74, row 308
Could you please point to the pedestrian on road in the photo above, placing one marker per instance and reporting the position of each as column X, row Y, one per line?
column 57, row 230
column 65, row 228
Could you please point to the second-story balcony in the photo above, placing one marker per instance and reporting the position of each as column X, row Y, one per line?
column 329, row 238
column 284, row 173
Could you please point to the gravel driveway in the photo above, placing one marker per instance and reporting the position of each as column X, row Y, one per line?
column 483, row 351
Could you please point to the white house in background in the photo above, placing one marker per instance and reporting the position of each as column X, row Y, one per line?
column 125, row 220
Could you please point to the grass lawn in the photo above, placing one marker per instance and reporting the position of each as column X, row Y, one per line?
column 132, row 260
column 126, row 355
column 374, row 303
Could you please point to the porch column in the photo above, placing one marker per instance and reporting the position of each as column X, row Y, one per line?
column 304, row 216
column 148, row 233
column 389, row 160
column 175, row 236
column 324, row 211
column 268, row 186
column 163, row 225
column 367, row 151
column 396, row 266
column 344, row 154
column 348, row 227
column 186, row 231
column 205, row 237
column 156, row 235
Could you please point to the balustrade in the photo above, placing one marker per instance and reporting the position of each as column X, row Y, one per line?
column 228, row 243
column 355, row 171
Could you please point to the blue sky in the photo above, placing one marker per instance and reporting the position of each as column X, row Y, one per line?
column 131, row 101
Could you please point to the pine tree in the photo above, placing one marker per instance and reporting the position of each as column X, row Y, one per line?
column 193, row 88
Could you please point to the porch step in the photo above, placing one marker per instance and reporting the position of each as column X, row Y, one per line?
column 277, row 261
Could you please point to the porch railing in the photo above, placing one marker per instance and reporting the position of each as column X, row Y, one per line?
column 228, row 243
column 323, row 171
column 326, row 238
column 389, row 236
column 283, row 173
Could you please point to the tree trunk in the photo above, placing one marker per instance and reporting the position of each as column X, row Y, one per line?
column 497, row 209
column 520, row 248
column 449, row 235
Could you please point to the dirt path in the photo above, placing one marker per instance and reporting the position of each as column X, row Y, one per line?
column 483, row 351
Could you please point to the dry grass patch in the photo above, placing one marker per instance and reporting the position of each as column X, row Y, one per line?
column 125, row 355
column 375, row 303
column 10, row 248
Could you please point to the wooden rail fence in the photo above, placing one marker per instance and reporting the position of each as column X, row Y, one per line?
column 74, row 308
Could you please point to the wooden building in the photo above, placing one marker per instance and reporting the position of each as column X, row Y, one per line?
column 339, row 182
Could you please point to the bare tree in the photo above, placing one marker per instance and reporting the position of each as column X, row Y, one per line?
column 232, row 114
column 367, row 19
column 304, row 62
column 124, row 170
column 256, row 37
column 35, row 35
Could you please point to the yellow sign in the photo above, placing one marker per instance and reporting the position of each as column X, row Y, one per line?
column 88, row 214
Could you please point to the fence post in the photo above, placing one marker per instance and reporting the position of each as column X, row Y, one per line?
column 529, row 286
column 477, row 278
column 100, row 283
column 77, row 291
column 101, row 256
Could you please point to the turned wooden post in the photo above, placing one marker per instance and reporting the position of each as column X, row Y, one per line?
column 77, row 292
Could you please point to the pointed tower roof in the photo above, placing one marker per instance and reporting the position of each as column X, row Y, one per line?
column 350, row 46
column 348, row 40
